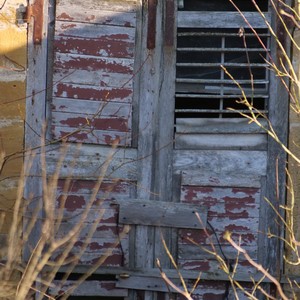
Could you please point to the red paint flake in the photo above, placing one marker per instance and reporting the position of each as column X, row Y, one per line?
column 65, row 16
column 76, row 186
column 127, row 24
column 90, row 18
column 118, row 124
column 247, row 191
column 114, row 230
column 68, row 26
column 198, row 236
column 111, row 140
column 94, row 64
column 233, row 228
column 73, row 202
column 98, row 47
column 78, row 136
column 211, row 296
column 196, row 265
column 92, row 93
column 114, row 260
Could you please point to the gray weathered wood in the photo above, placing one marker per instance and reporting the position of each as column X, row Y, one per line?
column 171, row 273
column 276, row 173
column 89, row 288
column 98, row 12
column 221, row 141
column 211, row 125
column 86, row 161
column 98, row 5
column 35, row 121
column 93, row 108
column 198, row 178
column 161, row 214
column 83, row 30
column 221, row 161
column 203, row 19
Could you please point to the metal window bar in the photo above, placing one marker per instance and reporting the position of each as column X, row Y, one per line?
column 219, row 88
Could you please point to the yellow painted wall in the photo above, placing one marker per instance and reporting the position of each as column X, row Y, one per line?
column 13, row 39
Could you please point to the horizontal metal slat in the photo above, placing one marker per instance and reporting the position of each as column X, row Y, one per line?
column 198, row 49
column 211, row 96
column 221, row 81
column 236, row 65
column 220, row 33
column 215, row 111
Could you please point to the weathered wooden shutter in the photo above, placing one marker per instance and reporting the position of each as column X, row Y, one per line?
column 93, row 71
column 220, row 162
column 91, row 105
column 116, row 80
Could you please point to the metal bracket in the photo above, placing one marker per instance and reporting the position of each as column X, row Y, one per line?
column 36, row 12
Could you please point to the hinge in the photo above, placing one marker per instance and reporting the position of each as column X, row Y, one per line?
column 35, row 12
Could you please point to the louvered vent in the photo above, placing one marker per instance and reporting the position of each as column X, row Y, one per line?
column 207, row 40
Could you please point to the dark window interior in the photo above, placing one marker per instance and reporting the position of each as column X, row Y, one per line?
column 222, row 5
column 203, row 88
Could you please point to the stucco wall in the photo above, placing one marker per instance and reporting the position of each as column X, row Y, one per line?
column 13, row 35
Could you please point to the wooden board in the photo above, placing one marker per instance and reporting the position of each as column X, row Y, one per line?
column 161, row 214
column 221, row 141
column 201, row 19
column 213, row 126
column 88, row 161
column 93, row 60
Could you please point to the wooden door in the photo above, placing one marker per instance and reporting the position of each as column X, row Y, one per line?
column 140, row 85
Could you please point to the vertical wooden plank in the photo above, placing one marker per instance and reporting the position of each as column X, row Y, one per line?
column 276, row 177
column 156, row 108
column 35, row 120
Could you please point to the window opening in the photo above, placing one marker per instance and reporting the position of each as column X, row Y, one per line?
column 203, row 89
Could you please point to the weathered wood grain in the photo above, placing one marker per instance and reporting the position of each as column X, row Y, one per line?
column 87, row 161
column 93, row 63
column 98, row 5
column 34, row 127
column 66, row 11
column 221, row 141
column 202, row 19
column 221, row 161
column 89, row 288
column 89, row 135
column 212, row 126
column 161, row 214
column 101, row 108
column 98, row 78
column 198, row 178
column 94, row 31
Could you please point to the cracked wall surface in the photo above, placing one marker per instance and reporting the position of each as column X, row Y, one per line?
column 13, row 57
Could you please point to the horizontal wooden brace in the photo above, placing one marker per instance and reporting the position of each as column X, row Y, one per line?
column 165, row 214
column 204, row 19
column 123, row 274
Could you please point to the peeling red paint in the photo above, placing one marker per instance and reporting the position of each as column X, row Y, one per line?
column 65, row 16
column 78, row 136
column 112, row 140
column 196, row 265
column 248, row 191
column 73, row 202
column 98, row 47
column 82, row 186
column 94, row 64
column 68, row 26
column 90, row 18
column 92, row 93
column 114, row 260
column 118, row 124
column 232, row 228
